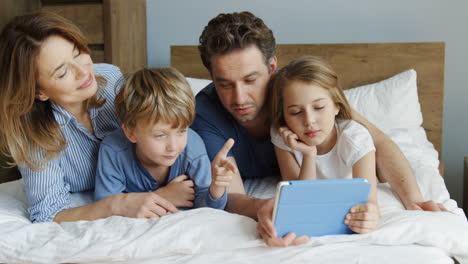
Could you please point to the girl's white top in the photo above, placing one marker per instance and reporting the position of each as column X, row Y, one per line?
column 353, row 142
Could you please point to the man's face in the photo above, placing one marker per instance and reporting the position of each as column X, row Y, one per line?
column 241, row 79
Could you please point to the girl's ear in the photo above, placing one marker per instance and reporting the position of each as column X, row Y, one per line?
column 337, row 109
column 129, row 134
column 41, row 96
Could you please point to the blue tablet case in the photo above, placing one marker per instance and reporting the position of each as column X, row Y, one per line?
column 317, row 207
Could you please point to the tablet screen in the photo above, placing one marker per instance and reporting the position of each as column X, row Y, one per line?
column 317, row 207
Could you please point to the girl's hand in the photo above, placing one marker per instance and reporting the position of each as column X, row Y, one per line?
column 292, row 141
column 222, row 171
column 363, row 218
column 179, row 191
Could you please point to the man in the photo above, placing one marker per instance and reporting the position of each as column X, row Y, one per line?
column 238, row 50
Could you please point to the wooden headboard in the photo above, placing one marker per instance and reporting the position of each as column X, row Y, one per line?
column 359, row 64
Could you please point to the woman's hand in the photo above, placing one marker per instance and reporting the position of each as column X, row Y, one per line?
column 363, row 218
column 143, row 205
column 292, row 140
column 179, row 191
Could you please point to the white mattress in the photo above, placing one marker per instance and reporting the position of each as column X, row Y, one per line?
column 209, row 236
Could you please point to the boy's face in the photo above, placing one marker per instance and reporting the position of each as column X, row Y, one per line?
column 158, row 145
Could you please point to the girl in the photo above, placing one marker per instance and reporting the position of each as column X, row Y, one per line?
column 56, row 107
column 314, row 134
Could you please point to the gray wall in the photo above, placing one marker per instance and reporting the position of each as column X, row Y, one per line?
column 180, row 22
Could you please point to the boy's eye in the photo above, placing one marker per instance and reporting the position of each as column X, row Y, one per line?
column 159, row 135
column 182, row 131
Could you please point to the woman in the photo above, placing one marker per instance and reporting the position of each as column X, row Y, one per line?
column 56, row 106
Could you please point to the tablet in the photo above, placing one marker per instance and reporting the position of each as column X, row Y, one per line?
column 317, row 207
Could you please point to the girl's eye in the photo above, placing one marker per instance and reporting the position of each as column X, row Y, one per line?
column 319, row 108
column 295, row 113
column 63, row 75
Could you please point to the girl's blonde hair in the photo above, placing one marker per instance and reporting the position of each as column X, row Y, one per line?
column 308, row 69
column 153, row 95
column 29, row 133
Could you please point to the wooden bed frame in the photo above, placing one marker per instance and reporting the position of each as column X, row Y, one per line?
column 360, row 64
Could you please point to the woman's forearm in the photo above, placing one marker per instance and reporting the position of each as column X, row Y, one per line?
column 100, row 209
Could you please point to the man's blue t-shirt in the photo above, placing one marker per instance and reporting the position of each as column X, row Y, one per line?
column 255, row 158
column 119, row 171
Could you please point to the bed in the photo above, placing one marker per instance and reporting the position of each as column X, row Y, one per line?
column 406, row 104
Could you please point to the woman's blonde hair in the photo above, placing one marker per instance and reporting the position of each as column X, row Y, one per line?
column 308, row 69
column 29, row 133
column 156, row 95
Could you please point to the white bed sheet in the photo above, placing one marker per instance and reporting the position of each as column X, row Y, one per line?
column 208, row 235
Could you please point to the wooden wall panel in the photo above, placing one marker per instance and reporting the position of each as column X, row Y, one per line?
column 88, row 17
column 125, row 33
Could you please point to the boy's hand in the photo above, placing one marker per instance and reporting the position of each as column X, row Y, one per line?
column 222, row 171
column 292, row 140
column 363, row 218
column 179, row 191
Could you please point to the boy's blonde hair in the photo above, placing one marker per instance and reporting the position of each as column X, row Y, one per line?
column 312, row 70
column 155, row 95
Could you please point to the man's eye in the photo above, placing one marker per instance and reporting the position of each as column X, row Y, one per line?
column 250, row 80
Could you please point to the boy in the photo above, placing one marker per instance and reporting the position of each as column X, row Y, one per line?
column 150, row 152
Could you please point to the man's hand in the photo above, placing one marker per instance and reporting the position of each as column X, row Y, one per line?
column 427, row 206
column 363, row 218
column 222, row 171
column 143, row 205
column 292, row 140
column 267, row 231
column 179, row 191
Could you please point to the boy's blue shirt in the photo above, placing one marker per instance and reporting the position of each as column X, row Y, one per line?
column 119, row 171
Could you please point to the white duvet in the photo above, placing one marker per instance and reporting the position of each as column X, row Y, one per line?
column 208, row 235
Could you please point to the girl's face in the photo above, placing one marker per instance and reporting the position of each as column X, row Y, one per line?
column 65, row 74
column 309, row 112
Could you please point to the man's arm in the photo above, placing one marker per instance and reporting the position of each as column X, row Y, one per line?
column 392, row 166
column 238, row 201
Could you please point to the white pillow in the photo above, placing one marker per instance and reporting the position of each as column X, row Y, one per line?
column 197, row 84
column 389, row 104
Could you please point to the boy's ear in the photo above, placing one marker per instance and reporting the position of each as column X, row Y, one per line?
column 129, row 134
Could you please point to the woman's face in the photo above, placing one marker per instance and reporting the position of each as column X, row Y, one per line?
column 65, row 74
